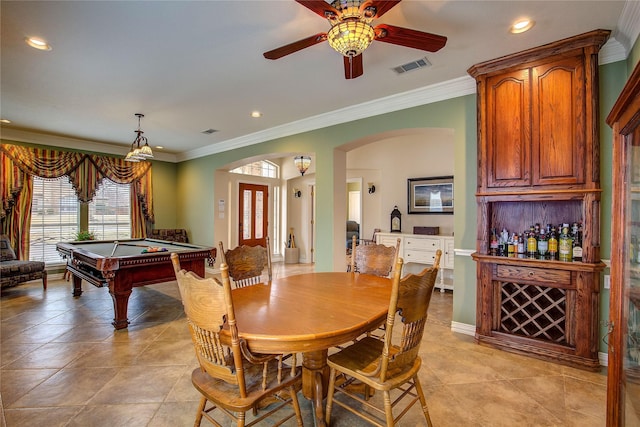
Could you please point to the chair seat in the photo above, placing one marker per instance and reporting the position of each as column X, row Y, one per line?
column 15, row 272
column 361, row 359
column 227, row 395
column 20, row 267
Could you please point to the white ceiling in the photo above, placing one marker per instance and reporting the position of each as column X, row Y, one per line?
column 196, row 65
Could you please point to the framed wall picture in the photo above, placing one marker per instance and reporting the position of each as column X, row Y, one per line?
column 430, row 195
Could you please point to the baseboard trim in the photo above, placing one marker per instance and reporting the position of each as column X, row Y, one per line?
column 603, row 358
column 466, row 329
column 463, row 328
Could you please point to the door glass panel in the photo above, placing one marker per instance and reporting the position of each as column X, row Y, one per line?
column 246, row 215
column 259, row 213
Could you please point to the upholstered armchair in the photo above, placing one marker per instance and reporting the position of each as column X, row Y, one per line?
column 14, row 271
column 353, row 229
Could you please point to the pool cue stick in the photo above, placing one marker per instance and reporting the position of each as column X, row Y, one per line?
column 134, row 244
column 115, row 246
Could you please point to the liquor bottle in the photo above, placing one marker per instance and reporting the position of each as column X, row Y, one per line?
column 521, row 245
column 552, row 244
column 565, row 244
column 512, row 245
column 493, row 245
column 502, row 246
column 577, row 245
column 532, row 242
column 543, row 244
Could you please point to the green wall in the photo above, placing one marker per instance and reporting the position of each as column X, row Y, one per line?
column 165, row 190
column 634, row 57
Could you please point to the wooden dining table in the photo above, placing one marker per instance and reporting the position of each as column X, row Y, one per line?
column 310, row 313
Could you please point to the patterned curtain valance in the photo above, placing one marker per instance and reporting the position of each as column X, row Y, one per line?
column 85, row 172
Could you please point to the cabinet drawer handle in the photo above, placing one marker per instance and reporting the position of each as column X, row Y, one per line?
column 531, row 273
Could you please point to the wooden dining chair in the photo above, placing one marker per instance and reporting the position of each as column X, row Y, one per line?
column 373, row 259
column 373, row 238
column 231, row 378
column 248, row 264
column 392, row 364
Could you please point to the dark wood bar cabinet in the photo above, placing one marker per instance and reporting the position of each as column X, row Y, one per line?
column 538, row 162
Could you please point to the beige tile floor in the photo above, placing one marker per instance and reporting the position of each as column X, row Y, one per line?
column 62, row 364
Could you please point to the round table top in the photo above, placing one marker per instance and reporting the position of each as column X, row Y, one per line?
column 311, row 311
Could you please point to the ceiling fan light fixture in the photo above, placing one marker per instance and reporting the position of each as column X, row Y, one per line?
column 350, row 38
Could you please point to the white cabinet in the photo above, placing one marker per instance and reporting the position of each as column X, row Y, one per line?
column 421, row 249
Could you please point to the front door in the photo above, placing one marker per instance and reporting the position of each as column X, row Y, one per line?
column 253, row 214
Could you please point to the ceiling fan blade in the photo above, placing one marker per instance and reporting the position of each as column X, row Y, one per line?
column 353, row 67
column 410, row 38
column 320, row 7
column 382, row 6
column 295, row 46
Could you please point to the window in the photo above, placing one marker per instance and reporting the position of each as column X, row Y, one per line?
column 262, row 168
column 54, row 217
column 109, row 211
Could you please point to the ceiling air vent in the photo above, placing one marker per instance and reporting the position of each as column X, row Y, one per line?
column 410, row 66
column 209, row 131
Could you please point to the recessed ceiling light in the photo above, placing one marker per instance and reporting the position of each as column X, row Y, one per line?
column 38, row 43
column 256, row 114
column 159, row 147
column 521, row 25
column 5, row 121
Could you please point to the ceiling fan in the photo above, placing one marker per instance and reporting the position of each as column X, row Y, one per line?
column 351, row 32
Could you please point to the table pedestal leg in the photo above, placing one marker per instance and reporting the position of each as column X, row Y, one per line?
column 315, row 379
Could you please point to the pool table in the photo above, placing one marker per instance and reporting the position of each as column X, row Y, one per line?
column 124, row 264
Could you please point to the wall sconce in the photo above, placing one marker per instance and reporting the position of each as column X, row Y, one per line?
column 372, row 188
column 302, row 163
column 297, row 193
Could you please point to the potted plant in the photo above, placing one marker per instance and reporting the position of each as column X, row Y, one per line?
column 84, row 235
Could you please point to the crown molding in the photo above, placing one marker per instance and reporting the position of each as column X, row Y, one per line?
column 32, row 137
column 429, row 94
column 628, row 27
column 612, row 51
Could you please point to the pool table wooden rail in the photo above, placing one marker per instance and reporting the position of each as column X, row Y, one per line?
column 124, row 272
